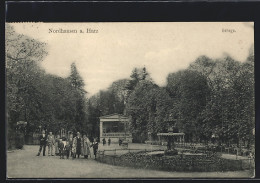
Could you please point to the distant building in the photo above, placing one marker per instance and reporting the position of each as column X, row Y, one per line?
column 115, row 127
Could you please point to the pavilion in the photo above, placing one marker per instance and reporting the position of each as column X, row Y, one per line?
column 115, row 127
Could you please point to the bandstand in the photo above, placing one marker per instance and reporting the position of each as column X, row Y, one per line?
column 115, row 127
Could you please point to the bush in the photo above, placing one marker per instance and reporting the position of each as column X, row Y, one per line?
column 19, row 140
column 10, row 140
column 171, row 152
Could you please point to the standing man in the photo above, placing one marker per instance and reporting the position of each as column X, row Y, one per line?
column 43, row 141
column 51, row 143
column 95, row 147
column 77, row 145
column 104, row 141
column 109, row 141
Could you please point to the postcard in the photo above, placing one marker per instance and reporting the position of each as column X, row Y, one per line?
column 130, row 100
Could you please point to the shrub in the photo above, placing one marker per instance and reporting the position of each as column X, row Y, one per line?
column 180, row 162
column 171, row 152
column 19, row 140
column 10, row 140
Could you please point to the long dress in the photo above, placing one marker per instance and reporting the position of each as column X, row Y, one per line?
column 91, row 151
column 71, row 145
column 57, row 146
column 85, row 147
column 77, row 146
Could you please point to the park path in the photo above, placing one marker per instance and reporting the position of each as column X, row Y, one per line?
column 25, row 164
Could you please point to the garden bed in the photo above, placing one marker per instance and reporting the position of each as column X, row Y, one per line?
column 180, row 162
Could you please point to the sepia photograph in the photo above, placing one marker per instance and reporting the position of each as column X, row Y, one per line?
column 130, row 100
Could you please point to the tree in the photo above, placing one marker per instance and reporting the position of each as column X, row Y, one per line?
column 189, row 90
column 38, row 98
column 244, row 93
column 138, row 74
column 138, row 106
column 149, row 106
column 76, row 80
column 23, row 55
column 231, row 94
column 80, row 120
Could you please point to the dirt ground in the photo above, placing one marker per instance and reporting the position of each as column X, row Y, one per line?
column 25, row 164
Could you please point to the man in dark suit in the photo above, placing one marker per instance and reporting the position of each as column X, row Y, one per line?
column 43, row 142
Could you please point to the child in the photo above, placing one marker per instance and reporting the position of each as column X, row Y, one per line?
column 95, row 147
column 61, row 149
column 73, row 152
column 67, row 149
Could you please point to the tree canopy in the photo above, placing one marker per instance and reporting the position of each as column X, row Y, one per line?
column 36, row 97
column 210, row 98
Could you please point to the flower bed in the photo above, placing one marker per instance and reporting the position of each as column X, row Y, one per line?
column 180, row 162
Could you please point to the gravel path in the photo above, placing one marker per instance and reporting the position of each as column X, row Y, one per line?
column 25, row 164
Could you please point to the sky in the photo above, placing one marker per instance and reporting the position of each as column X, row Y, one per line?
column 116, row 48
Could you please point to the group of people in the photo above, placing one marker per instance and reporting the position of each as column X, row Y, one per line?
column 104, row 141
column 71, row 146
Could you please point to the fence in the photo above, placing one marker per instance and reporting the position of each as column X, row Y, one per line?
column 32, row 139
column 116, row 134
column 119, row 152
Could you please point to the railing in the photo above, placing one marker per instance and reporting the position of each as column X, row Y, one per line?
column 119, row 152
column 116, row 134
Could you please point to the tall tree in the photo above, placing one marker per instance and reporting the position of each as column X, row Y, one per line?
column 149, row 107
column 75, row 79
column 224, row 114
column 189, row 90
column 77, row 84
column 138, row 74
column 23, row 55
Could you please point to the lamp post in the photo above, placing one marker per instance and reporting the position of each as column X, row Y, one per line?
column 125, row 129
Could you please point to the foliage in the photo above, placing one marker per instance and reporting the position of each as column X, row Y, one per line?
column 149, row 106
column 189, row 91
column 229, row 111
column 211, row 98
column 106, row 102
column 138, row 74
column 38, row 98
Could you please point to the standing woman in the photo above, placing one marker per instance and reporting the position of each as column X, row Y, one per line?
column 86, row 147
column 77, row 143
column 70, row 140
